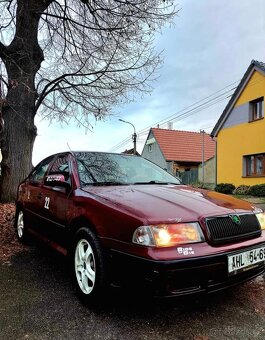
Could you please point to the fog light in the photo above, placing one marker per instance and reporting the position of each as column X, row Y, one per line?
column 261, row 219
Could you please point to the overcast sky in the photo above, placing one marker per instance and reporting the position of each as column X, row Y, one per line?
column 208, row 50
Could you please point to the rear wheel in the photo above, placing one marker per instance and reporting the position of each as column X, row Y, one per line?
column 90, row 270
column 20, row 226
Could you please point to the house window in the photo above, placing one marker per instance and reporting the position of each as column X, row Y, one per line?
column 255, row 165
column 257, row 109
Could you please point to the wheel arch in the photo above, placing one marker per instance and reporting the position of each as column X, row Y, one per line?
column 81, row 222
column 18, row 207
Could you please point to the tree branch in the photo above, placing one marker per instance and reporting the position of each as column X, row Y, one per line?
column 109, row 29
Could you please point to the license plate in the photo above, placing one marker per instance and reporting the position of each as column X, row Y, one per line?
column 245, row 260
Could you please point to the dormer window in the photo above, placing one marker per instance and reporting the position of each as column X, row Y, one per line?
column 256, row 109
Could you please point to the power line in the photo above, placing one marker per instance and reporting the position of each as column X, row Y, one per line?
column 191, row 110
column 126, row 140
column 178, row 118
column 165, row 120
column 176, row 115
column 199, row 101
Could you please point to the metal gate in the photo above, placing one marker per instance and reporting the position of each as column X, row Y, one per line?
column 189, row 177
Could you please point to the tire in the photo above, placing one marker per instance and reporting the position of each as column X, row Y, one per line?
column 20, row 226
column 89, row 266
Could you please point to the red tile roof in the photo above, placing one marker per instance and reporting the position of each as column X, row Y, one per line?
column 130, row 152
column 184, row 145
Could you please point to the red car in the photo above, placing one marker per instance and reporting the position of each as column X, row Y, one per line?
column 121, row 219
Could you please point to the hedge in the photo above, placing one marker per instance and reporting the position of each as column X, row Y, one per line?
column 225, row 188
column 254, row 190
column 257, row 190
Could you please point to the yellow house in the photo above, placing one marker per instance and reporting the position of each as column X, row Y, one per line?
column 240, row 131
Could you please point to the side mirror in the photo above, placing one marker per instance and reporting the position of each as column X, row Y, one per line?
column 56, row 180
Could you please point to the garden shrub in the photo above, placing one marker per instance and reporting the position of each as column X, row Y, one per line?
column 207, row 186
column 225, row 188
column 257, row 190
column 242, row 190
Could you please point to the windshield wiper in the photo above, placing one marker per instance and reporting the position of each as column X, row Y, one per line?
column 105, row 183
column 156, row 182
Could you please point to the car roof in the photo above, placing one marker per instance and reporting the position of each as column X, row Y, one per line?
column 84, row 151
column 104, row 152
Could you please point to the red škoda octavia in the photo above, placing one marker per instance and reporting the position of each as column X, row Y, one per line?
column 121, row 219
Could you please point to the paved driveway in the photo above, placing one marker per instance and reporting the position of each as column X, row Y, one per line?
column 37, row 301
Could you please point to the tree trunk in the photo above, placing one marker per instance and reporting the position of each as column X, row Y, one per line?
column 22, row 59
column 19, row 136
column 19, row 132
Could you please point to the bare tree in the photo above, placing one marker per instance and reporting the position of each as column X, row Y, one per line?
column 70, row 59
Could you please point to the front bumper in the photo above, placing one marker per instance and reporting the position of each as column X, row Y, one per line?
column 204, row 274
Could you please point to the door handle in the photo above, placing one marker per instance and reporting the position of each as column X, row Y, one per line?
column 39, row 196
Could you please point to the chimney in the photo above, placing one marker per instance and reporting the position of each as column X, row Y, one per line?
column 170, row 125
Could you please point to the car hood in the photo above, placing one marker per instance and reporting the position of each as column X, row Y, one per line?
column 168, row 203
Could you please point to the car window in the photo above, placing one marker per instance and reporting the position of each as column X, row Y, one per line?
column 103, row 168
column 39, row 172
column 61, row 166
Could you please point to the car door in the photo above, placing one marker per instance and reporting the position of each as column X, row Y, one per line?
column 57, row 201
column 33, row 194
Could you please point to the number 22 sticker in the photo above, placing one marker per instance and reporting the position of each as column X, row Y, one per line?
column 47, row 202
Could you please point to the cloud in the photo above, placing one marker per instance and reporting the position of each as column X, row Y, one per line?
column 210, row 46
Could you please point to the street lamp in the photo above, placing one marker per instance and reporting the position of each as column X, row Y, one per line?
column 134, row 135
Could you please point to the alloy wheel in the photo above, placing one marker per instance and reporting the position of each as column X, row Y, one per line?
column 85, row 267
column 20, row 224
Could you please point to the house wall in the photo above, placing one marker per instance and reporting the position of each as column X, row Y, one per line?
column 239, row 138
column 155, row 155
column 209, row 171
column 239, row 115
column 170, row 167
column 181, row 167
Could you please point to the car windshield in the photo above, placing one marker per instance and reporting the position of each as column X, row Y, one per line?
column 116, row 169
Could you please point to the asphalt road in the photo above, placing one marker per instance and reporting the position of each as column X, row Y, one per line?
column 38, row 301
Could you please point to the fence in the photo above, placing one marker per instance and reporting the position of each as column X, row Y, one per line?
column 189, row 177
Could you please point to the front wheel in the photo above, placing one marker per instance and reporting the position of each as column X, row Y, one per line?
column 90, row 270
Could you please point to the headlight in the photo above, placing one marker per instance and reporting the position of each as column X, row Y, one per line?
column 261, row 219
column 168, row 235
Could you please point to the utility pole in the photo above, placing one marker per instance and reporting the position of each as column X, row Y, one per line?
column 203, row 133
column 1, row 105
column 134, row 136
column 215, row 139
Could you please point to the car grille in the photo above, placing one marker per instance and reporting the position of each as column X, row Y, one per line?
column 222, row 229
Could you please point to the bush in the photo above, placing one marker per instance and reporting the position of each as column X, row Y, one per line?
column 207, row 186
column 257, row 190
column 225, row 188
column 242, row 190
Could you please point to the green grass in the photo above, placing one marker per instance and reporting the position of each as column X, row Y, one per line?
column 251, row 199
